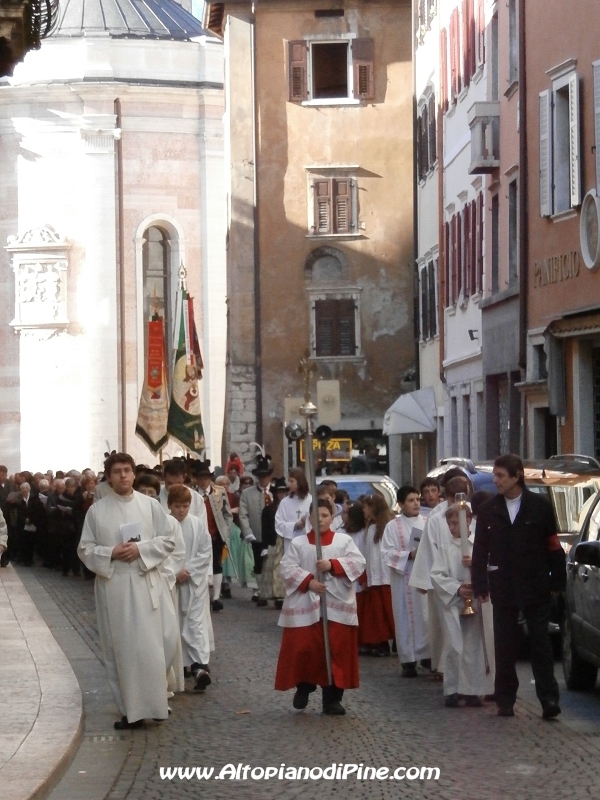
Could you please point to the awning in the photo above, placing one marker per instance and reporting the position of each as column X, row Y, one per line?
column 413, row 412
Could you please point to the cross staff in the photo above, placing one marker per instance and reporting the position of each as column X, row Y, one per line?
column 309, row 411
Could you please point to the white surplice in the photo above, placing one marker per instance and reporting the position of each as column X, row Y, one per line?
column 197, row 639
column 378, row 572
column 304, row 608
column 464, row 637
column 169, row 569
column 409, row 606
column 136, row 618
column 436, row 530
column 289, row 511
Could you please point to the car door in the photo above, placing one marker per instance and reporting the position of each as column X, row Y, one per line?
column 585, row 585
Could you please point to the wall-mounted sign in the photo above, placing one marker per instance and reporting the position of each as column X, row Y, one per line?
column 556, row 269
column 337, row 449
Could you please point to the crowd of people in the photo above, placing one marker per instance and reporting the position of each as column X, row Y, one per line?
column 175, row 539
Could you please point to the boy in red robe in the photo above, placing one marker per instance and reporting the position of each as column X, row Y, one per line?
column 301, row 661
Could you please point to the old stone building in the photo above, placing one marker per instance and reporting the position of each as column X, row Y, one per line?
column 320, row 228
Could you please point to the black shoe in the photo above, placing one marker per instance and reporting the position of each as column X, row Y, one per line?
column 451, row 701
column 409, row 672
column 261, row 602
column 335, row 709
column 506, row 711
column 123, row 724
column 550, row 710
column 426, row 663
column 255, row 598
column 217, row 605
column 300, row 700
column 202, row 680
column 472, row 701
column 226, row 591
column 278, row 604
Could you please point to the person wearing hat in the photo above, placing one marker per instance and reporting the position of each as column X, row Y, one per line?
column 271, row 585
column 219, row 519
column 252, row 502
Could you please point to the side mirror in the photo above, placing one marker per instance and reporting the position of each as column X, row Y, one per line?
column 587, row 553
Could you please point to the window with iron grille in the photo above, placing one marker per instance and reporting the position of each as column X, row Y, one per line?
column 335, row 327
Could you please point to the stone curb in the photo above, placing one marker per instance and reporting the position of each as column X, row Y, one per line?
column 41, row 717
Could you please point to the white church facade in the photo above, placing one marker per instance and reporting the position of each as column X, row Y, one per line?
column 111, row 178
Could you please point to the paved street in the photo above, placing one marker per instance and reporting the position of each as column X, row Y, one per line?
column 390, row 723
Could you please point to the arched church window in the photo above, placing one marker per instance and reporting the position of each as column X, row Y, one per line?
column 156, row 265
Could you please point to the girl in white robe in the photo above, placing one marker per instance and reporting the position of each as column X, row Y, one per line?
column 468, row 640
column 293, row 513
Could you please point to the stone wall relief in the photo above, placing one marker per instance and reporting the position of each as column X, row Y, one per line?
column 40, row 264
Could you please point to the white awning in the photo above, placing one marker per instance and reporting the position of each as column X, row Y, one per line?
column 413, row 412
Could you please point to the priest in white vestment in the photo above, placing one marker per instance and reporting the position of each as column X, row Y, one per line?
column 399, row 546
column 126, row 538
column 468, row 640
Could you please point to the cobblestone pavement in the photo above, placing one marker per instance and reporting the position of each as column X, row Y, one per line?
column 391, row 722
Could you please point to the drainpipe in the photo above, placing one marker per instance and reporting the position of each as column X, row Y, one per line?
column 257, row 318
column 121, row 355
column 523, row 217
column 415, row 209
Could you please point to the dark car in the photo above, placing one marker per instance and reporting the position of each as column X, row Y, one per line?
column 580, row 622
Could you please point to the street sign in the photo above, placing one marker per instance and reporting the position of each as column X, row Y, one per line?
column 337, row 449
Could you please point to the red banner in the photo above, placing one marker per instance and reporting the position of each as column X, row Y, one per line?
column 156, row 352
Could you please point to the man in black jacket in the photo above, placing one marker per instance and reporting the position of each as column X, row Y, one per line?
column 519, row 562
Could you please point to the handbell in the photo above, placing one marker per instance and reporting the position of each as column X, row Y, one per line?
column 468, row 610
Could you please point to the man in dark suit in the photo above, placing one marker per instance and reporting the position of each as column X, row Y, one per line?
column 31, row 520
column 519, row 562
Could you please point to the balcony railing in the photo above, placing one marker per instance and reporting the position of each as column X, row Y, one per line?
column 23, row 24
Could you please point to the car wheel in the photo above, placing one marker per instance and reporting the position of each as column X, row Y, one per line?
column 580, row 675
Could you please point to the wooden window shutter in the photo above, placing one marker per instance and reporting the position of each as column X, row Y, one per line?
column 596, row 72
column 432, row 295
column 424, row 303
column 342, row 196
column 444, row 70
column 455, row 258
column 432, row 131
column 480, row 240
column 481, row 31
column 465, row 60
column 297, row 71
column 425, row 140
column 546, row 171
column 466, row 225
column 335, row 328
column 323, row 220
column 574, row 141
column 420, row 174
column 474, row 235
column 363, row 68
column 447, row 264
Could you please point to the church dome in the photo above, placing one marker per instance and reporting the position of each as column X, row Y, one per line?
column 127, row 19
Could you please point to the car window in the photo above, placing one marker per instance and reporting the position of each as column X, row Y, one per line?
column 593, row 528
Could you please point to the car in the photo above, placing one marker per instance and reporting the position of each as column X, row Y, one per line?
column 358, row 485
column 580, row 622
column 480, row 474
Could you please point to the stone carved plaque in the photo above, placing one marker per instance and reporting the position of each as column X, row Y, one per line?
column 40, row 262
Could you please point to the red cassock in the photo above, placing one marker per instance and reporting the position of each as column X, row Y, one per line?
column 375, row 615
column 302, row 656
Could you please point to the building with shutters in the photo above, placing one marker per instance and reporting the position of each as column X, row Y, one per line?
column 562, row 387
column 320, row 203
column 111, row 153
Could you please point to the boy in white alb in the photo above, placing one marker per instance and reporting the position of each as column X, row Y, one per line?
column 399, row 545
column 195, row 624
column 468, row 640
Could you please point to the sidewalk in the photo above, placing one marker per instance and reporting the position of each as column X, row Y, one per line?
column 41, row 720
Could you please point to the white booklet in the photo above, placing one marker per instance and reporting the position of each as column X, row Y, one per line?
column 131, row 532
